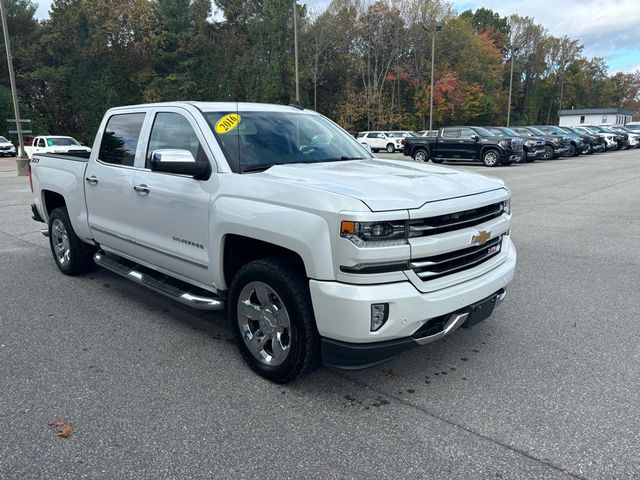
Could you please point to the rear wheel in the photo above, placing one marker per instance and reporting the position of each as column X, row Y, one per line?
column 390, row 148
column 272, row 320
column 421, row 155
column 490, row 158
column 71, row 254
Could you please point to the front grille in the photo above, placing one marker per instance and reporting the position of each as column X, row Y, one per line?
column 454, row 221
column 517, row 144
column 6, row 148
column 430, row 268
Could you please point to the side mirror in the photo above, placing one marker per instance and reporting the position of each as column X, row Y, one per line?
column 475, row 138
column 180, row 162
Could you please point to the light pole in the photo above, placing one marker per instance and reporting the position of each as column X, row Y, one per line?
column 22, row 164
column 295, row 46
column 514, row 50
column 433, row 54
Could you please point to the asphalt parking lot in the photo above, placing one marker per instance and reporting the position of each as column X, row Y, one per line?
column 546, row 388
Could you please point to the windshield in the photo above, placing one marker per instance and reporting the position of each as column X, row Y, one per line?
column 61, row 141
column 523, row 132
column 537, row 131
column 483, row 132
column 509, row 132
column 3, row 140
column 254, row 141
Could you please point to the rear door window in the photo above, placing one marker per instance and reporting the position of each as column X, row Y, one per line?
column 120, row 139
column 451, row 133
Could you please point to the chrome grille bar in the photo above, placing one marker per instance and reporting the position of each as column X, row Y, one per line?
column 473, row 251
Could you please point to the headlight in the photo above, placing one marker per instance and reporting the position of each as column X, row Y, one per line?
column 529, row 143
column 507, row 206
column 375, row 234
column 505, row 143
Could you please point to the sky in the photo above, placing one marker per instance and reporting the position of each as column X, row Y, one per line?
column 607, row 28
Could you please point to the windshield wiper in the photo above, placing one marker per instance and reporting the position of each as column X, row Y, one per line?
column 338, row 159
column 266, row 166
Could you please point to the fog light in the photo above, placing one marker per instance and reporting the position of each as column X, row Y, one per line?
column 379, row 315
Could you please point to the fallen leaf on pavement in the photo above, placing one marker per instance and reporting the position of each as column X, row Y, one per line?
column 65, row 430
column 390, row 373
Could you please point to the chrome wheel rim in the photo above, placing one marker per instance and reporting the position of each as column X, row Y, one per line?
column 548, row 153
column 60, row 242
column 421, row 156
column 264, row 323
column 491, row 158
column 390, row 148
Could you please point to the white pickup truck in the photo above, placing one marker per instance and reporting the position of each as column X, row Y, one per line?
column 320, row 252
column 55, row 144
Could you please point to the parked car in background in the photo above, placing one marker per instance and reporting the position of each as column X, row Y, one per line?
column 533, row 147
column 615, row 141
column 381, row 140
column 56, row 144
column 577, row 143
column 554, row 145
column 633, row 138
column 427, row 133
column 465, row 143
column 622, row 145
column 402, row 133
column 594, row 143
column 7, row 149
column 635, row 126
column 319, row 251
column 608, row 138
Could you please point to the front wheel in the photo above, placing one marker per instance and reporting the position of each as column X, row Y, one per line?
column 589, row 150
column 391, row 148
column 549, row 152
column 272, row 320
column 490, row 158
column 572, row 151
column 71, row 254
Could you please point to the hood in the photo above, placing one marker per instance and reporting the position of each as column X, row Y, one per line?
column 384, row 184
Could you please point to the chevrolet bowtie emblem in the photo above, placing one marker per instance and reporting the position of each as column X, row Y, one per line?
column 481, row 237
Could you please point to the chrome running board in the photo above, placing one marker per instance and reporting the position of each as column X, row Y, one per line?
column 164, row 288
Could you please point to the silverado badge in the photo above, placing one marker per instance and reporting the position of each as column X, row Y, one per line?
column 481, row 237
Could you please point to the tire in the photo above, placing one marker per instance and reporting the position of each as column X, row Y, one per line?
column 421, row 155
column 390, row 148
column 490, row 157
column 72, row 255
column 589, row 150
column 280, row 348
column 572, row 151
column 549, row 152
column 375, row 150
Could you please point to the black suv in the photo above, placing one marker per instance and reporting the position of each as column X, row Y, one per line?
column 533, row 147
column 554, row 145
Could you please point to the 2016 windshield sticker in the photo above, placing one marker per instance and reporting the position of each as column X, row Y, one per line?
column 227, row 123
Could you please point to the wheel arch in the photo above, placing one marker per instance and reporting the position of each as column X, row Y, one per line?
column 52, row 200
column 238, row 250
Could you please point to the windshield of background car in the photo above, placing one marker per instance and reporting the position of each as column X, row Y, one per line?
column 537, row 131
column 524, row 132
column 3, row 140
column 259, row 140
column 483, row 132
column 61, row 142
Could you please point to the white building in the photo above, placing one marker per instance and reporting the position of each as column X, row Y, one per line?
column 594, row 116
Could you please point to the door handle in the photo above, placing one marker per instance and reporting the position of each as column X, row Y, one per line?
column 92, row 180
column 142, row 188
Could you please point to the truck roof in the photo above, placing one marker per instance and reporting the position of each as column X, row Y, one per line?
column 220, row 106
